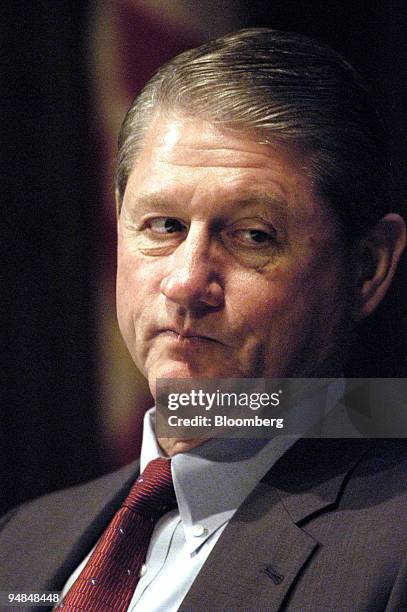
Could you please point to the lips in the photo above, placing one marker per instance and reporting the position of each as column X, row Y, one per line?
column 187, row 336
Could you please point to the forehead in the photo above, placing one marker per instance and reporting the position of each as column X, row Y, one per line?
column 192, row 142
column 186, row 157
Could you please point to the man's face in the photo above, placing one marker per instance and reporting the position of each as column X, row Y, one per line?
column 228, row 263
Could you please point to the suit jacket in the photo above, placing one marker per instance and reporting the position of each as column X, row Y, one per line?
column 325, row 530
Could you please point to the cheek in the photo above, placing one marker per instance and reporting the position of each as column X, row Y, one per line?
column 138, row 281
column 124, row 299
column 128, row 286
column 320, row 303
column 291, row 300
column 263, row 303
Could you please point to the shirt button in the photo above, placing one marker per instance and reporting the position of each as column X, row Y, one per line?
column 199, row 530
column 143, row 570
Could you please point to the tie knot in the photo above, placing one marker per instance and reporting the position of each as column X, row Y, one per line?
column 153, row 492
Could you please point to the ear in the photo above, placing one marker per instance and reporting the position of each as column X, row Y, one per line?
column 377, row 256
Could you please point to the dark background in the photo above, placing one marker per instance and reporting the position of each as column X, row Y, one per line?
column 50, row 219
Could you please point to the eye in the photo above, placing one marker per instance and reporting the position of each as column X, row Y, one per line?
column 165, row 225
column 257, row 236
column 252, row 237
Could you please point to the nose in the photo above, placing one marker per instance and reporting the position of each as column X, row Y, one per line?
column 193, row 280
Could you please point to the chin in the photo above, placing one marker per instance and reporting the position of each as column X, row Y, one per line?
column 186, row 370
column 171, row 370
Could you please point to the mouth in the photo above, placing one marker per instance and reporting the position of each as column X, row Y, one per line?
column 187, row 337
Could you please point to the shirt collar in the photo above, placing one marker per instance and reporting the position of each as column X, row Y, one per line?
column 213, row 479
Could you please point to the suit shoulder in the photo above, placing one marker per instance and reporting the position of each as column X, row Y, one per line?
column 43, row 540
column 383, row 471
column 71, row 500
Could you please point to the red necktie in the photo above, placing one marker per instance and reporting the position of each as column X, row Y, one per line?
column 110, row 577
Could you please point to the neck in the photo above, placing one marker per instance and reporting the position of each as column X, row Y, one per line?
column 173, row 446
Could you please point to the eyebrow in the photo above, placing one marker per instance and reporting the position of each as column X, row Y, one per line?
column 153, row 200
column 272, row 201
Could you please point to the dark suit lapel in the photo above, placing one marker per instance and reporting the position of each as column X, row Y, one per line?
column 248, row 568
column 263, row 550
column 309, row 478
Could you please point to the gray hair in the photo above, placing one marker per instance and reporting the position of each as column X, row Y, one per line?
column 285, row 88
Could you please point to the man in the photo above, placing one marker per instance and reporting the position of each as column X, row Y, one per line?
column 254, row 232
